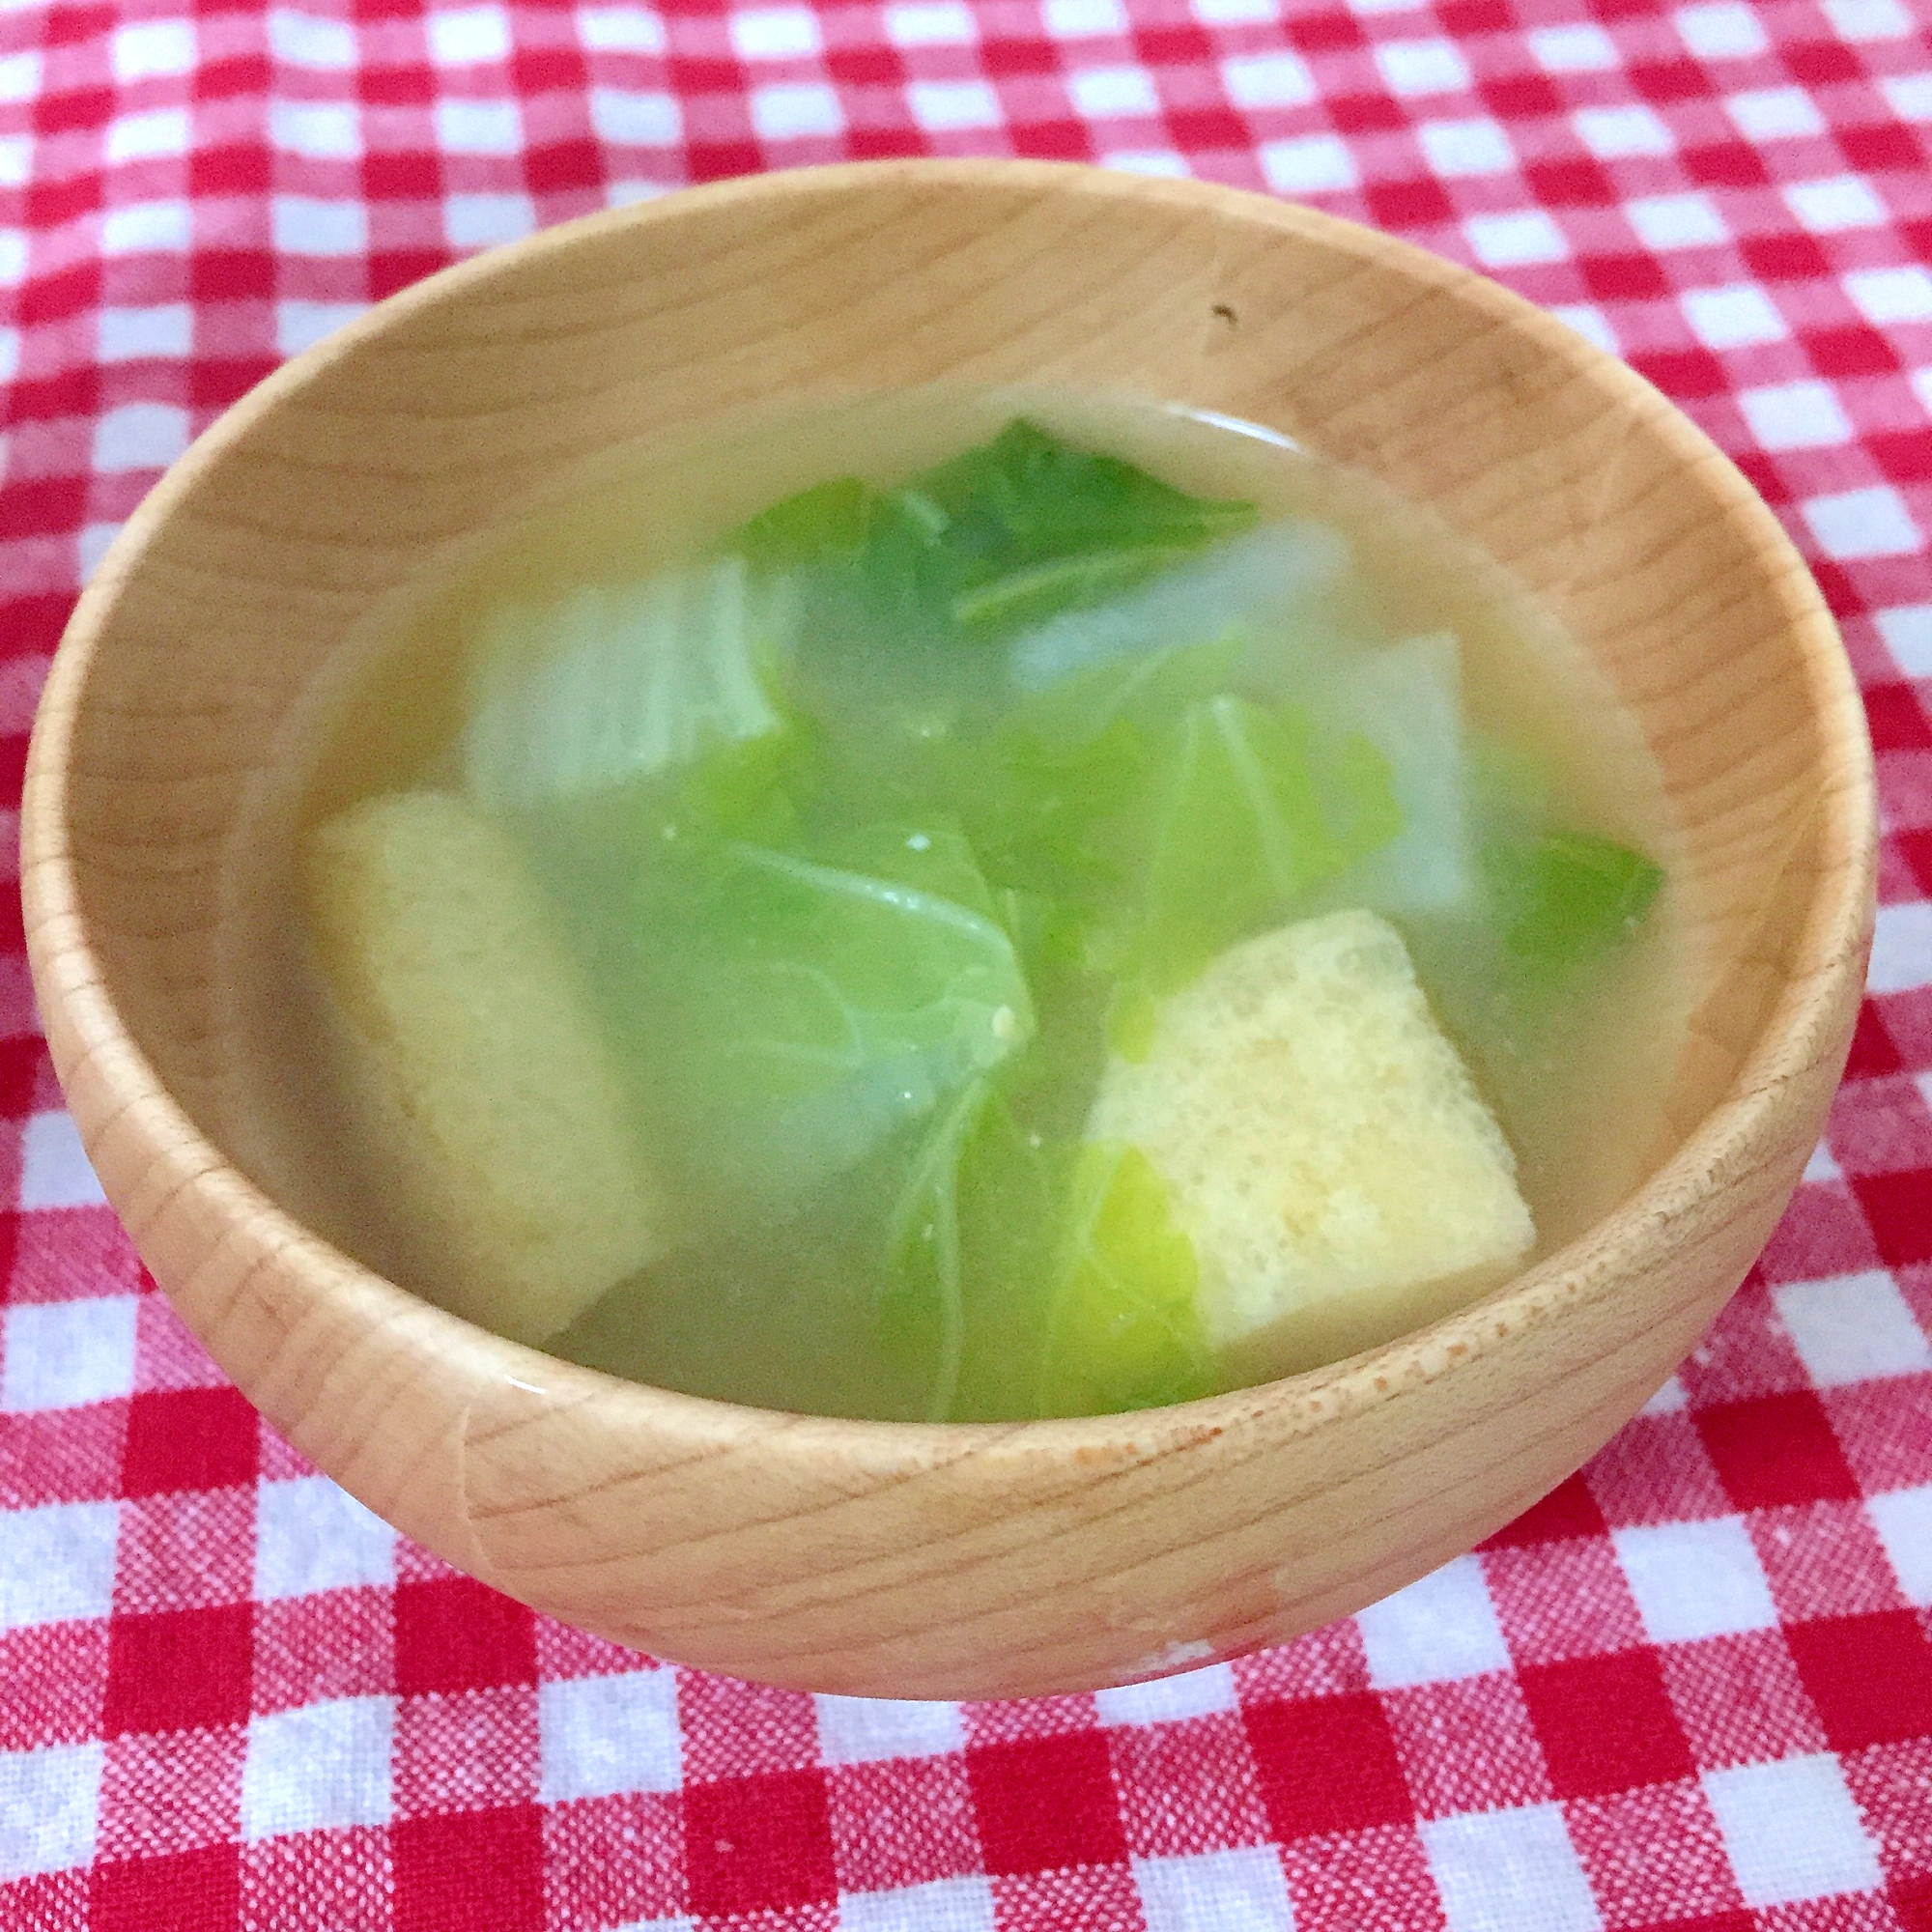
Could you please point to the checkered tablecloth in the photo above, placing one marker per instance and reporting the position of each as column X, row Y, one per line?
column 1693, row 1690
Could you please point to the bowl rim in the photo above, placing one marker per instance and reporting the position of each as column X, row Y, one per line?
column 1795, row 1035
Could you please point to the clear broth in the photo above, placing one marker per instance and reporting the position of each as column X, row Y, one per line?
column 1583, row 1112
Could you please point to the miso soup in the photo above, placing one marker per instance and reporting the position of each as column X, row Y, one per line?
column 959, row 907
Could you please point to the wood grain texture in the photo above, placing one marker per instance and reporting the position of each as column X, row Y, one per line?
column 898, row 1560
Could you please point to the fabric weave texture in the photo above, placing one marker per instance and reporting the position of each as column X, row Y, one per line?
column 1692, row 1690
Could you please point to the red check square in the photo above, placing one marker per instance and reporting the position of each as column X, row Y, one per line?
column 193, row 1439
column 1606, row 1723
column 759, row 1844
column 1327, row 1764
column 1568, row 1510
column 470, row 1868
column 453, row 1633
column 1776, row 1449
column 1044, row 1803
column 194, row 1891
column 179, row 1670
column 1870, row 1677
column 1894, row 1203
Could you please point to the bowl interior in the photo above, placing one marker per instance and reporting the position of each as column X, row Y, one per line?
column 332, row 490
column 330, row 486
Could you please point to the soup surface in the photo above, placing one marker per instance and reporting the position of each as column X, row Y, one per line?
column 889, row 912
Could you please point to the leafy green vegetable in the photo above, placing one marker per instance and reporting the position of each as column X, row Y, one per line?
column 610, row 686
column 1123, row 1331
column 1566, row 896
column 1255, row 814
column 1004, row 535
column 817, row 1004
column 922, row 1317
column 824, row 521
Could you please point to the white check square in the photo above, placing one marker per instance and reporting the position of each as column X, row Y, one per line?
column 302, row 325
column 1795, row 416
column 1853, row 1328
column 1412, row 68
column 147, row 137
column 1907, row 631
column 1215, row 1892
column 1592, row 325
column 1776, row 114
column 134, row 334
column 306, row 39
column 606, row 1735
column 50, row 1808
column 1904, row 1522
column 1677, row 222
column 1908, row 96
column 1792, row 1831
column 1162, row 161
column 55, row 1171
column 19, row 77
column 798, row 112
column 774, row 34
column 1442, row 1627
column 930, row 23
column 1891, row 294
column 1268, row 80
column 871, row 1730
column 1192, row 1694
column 626, row 119
column 1612, row 132
column 1514, row 241
column 137, row 436
column 1500, row 1870
column 320, row 1766
column 142, row 227
column 940, row 105
column 1315, row 165
column 1455, row 149
column 1112, row 93
column 1830, row 206
column 57, row 1563
column 465, row 126
column 467, row 36
column 145, row 48
column 302, row 225
column 1727, row 31
column 310, row 1535
column 1901, row 955
column 1868, row 19
column 946, row 1905
column 323, row 131
column 1862, row 523
column 621, row 30
column 483, row 220
column 1733, row 317
column 1581, row 49
column 60, row 1354
column 1083, row 19
column 1695, row 1579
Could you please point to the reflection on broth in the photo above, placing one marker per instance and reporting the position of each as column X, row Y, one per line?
column 895, row 912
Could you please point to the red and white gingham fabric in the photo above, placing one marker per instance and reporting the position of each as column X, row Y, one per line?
column 1692, row 1690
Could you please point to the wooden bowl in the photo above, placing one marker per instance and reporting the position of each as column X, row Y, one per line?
column 893, row 1559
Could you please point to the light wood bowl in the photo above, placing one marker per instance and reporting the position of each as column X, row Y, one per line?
column 893, row 1559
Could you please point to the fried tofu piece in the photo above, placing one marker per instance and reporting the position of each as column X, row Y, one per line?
column 481, row 1092
column 1322, row 1143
